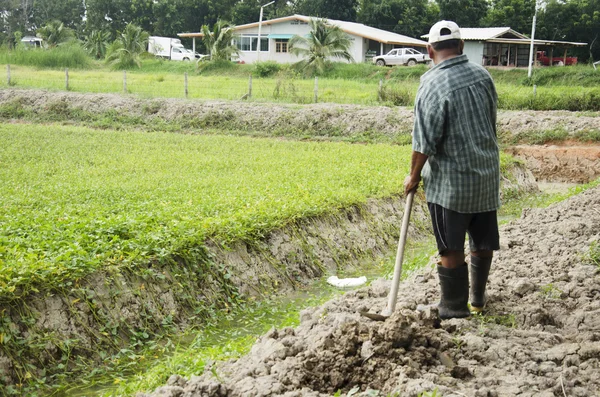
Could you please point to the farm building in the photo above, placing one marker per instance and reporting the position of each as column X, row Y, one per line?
column 276, row 33
column 506, row 47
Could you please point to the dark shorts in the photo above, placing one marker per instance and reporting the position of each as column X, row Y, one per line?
column 450, row 228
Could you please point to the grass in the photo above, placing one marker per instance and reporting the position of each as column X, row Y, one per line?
column 353, row 84
column 70, row 55
column 594, row 254
column 76, row 199
column 512, row 208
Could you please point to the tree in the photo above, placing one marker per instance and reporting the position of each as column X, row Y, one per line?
column 324, row 42
column 55, row 33
column 343, row 10
column 69, row 12
column 572, row 20
column 14, row 17
column 127, row 48
column 407, row 17
column 466, row 13
column 96, row 43
column 108, row 15
column 516, row 14
column 218, row 42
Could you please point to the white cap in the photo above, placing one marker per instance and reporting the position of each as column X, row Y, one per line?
column 435, row 35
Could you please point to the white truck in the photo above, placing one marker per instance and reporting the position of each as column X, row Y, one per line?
column 401, row 56
column 169, row 48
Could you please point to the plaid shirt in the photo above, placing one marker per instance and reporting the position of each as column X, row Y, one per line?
column 455, row 125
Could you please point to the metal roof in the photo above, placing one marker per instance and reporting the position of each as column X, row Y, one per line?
column 358, row 29
column 493, row 35
column 488, row 33
column 484, row 34
column 537, row 42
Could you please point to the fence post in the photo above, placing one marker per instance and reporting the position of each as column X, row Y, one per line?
column 185, row 84
column 316, row 89
column 67, row 79
column 380, row 90
column 8, row 74
column 124, row 81
column 250, row 86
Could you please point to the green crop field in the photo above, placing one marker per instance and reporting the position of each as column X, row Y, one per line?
column 75, row 199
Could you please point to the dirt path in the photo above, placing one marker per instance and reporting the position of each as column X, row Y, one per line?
column 540, row 337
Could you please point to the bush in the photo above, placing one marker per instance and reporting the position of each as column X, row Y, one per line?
column 266, row 69
column 216, row 67
column 395, row 95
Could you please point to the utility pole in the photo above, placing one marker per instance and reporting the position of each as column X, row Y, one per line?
column 529, row 71
column 259, row 28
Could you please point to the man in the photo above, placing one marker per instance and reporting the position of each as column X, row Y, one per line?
column 456, row 150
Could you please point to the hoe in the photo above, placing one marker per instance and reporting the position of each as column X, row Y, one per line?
column 393, row 295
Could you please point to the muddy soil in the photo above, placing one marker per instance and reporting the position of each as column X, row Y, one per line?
column 570, row 163
column 315, row 119
column 540, row 335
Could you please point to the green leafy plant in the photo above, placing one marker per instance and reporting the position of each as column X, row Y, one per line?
column 324, row 43
column 55, row 33
column 218, row 42
column 96, row 43
column 594, row 253
column 550, row 291
column 126, row 50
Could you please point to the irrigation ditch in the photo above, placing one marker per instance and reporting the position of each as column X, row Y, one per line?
column 60, row 333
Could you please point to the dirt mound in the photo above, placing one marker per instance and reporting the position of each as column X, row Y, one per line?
column 323, row 119
column 539, row 337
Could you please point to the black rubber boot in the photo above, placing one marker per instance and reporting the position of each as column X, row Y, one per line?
column 454, row 284
column 480, row 270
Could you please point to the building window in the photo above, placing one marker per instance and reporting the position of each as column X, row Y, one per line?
column 248, row 43
column 281, row 45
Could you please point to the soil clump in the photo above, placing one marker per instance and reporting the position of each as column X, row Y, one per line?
column 539, row 336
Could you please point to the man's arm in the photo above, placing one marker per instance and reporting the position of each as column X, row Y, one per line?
column 416, row 165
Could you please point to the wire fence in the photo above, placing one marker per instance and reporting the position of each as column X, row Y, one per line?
column 169, row 85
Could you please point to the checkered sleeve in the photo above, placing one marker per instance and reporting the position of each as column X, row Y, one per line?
column 429, row 124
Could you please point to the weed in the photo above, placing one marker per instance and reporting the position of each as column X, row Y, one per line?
column 550, row 291
column 13, row 109
column 505, row 320
column 433, row 393
column 458, row 342
column 594, row 253
column 396, row 95
column 151, row 107
column 588, row 135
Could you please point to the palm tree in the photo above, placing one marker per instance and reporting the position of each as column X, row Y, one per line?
column 219, row 42
column 96, row 43
column 127, row 48
column 55, row 33
column 323, row 43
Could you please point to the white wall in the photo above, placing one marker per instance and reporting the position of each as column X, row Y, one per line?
column 357, row 49
column 474, row 51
